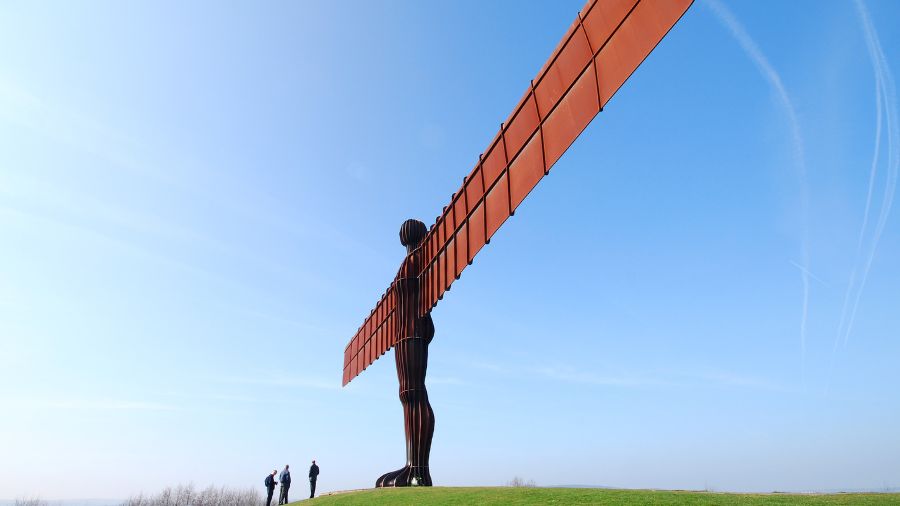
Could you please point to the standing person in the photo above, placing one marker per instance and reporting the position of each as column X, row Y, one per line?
column 270, row 486
column 313, row 474
column 285, row 485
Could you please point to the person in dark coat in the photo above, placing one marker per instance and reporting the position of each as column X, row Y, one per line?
column 270, row 486
column 313, row 474
column 285, row 485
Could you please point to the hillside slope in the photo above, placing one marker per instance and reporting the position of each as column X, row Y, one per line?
column 540, row 496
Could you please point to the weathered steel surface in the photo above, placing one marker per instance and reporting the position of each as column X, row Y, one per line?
column 414, row 332
column 604, row 45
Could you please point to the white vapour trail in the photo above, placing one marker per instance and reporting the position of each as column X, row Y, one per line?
column 771, row 75
column 810, row 274
column 885, row 94
column 873, row 171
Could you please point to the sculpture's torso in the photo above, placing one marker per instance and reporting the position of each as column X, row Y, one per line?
column 408, row 291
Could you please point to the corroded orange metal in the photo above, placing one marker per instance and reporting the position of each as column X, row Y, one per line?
column 602, row 48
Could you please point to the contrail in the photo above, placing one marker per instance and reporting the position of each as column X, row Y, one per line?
column 811, row 275
column 865, row 223
column 885, row 94
column 774, row 79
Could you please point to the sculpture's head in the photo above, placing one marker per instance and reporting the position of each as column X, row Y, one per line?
column 412, row 232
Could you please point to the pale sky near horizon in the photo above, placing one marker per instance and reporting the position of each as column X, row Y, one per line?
column 199, row 203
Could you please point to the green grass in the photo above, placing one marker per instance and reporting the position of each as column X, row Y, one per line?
column 527, row 496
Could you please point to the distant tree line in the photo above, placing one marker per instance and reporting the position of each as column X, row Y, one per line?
column 520, row 482
column 187, row 495
column 30, row 502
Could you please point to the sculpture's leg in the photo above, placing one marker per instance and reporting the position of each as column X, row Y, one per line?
column 411, row 355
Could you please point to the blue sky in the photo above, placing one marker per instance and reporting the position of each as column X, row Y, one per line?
column 199, row 203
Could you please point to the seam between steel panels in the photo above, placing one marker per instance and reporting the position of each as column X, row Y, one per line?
column 541, row 130
column 591, row 49
column 509, row 210
column 468, row 227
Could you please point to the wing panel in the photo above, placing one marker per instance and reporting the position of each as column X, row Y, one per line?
column 574, row 113
column 450, row 270
column 493, row 164
column 601, row 19
column 497, row 206
column 526, row 170
column 521, row 126
column 564, row 70
column 474, row 188
column 477, row 235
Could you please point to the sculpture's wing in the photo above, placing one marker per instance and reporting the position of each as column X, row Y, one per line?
column 601, row 49
column 373, row 338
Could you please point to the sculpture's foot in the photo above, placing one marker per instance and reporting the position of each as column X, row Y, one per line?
column 390, row 479
column 407, row 476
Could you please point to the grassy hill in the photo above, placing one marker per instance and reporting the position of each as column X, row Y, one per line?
column 565, row 496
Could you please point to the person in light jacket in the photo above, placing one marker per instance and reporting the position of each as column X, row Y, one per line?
column 285, row 485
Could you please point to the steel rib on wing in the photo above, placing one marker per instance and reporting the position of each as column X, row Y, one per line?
column 600, row 50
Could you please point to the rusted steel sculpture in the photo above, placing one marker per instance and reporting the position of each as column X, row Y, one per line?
column 414, row 333
column 604, row 45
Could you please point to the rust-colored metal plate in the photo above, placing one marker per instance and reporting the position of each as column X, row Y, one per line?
column 450, row 267
column 459, row 210
column 462, row 249
column 493, row 164
column 474, row 189
column 497, row 206
column 521, row 126
column 573, row 114
column 526, row 170
column 602, row 18
column 477, row 233
column 442, row 273
column 563, row 71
